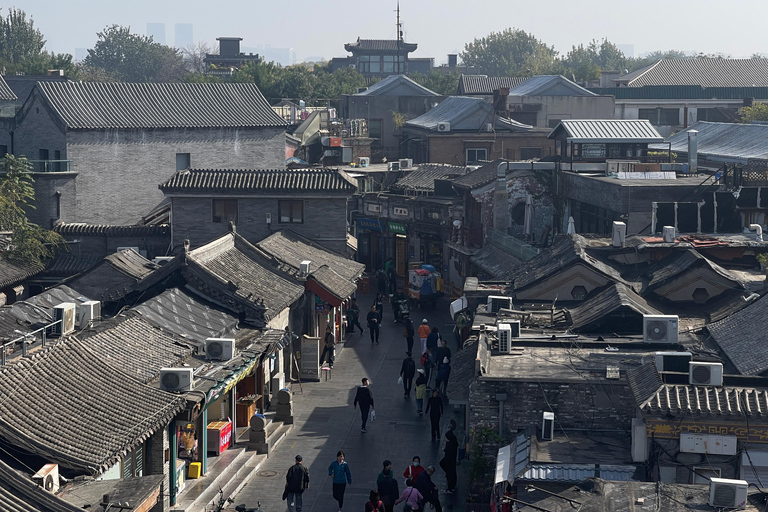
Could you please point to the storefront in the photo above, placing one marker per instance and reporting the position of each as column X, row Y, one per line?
column 370, row 249
column 399, row 240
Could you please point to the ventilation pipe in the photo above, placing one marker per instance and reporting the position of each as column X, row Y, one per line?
column 758, row 229
column 669, row 234
column 619, row 233
column 693, row 148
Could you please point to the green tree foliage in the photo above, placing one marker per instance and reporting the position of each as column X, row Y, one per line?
column 134, row 58
column 445, row 84
column 22, row 47
column 512, row 52
column 757, row 112
column 29, row 242
column 588, row 62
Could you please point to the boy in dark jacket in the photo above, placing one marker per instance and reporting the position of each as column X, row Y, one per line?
column 407, row 371
column 364, row 397
column 296, row 481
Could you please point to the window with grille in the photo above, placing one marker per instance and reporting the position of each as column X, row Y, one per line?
column 224, row 210
column 291, row 212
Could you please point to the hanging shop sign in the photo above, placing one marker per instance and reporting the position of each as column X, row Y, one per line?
column 370, row 224
column 396, row 227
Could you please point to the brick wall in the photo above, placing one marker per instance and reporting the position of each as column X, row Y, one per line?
column 324, row 220
column 46, row 186
column 595, row 404
column 451, row 149
column 157, row 465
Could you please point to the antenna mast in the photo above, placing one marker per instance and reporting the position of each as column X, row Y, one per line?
column 399, row 36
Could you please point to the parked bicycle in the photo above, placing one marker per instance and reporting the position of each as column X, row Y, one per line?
column 218, row 504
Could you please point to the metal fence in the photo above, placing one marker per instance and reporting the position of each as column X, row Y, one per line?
column 24, row 339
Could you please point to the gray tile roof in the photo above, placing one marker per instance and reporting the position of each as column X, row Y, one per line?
column 549, row 85
column 6, row 94
column 617, row 295
column 479, row 177
column 67, row 264
column 12, row 273
column 464, row 113
column 384, row 45
column 22, row 85
column 644, row 382
column 243, row 277
column 291, row 248
column 462, row 372
column 678, row 263
column 607, row 130
column 18, row 493
column 34, row 312
column 136, row 346
column 93, row 105
column 707, row 72
column 730, row 142
column 397, row 85
column 743, row 337
column 112, row 413
column 222, row 181
column 482, row 84
column 724, row 402
column 498, row 263
column 333, row 282
column 423, row 178
column 81, row 228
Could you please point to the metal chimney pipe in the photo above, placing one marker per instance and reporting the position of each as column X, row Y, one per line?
column 693, row 148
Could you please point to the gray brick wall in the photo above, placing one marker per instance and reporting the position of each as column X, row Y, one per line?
column 324, row 220
column 46, row 186
column 158, row 466
column 595, row 404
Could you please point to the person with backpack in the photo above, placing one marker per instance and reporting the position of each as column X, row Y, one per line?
column 411, row 496
column 421, row 390
column 339, row 470
column 407, row 371
column 296, row 482
column 427, row 364
column 388, row 490
column 443, row 372
column 374, row 503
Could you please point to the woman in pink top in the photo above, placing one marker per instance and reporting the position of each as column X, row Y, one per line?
column 411, row 496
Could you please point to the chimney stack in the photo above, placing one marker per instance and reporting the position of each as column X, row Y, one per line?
column 693, row 149
column 453, row 60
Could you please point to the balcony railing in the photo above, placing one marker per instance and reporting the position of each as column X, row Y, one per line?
column 51, row 165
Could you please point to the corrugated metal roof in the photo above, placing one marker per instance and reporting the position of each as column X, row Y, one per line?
column 464, row 113
column 731, row 142
column 383, row 45
column 655, row 92
column 549, row 85
column 271, row 180
column 482, row 84
column 577, row 472
column 607, row 130
column 397, row 85
column 81, row 228
column 95, row 105
column 6, row 94
column 707, row 72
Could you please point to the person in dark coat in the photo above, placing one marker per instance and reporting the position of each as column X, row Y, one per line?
column 353, row 317
column 296, row 482
column 435, row 410
column 364, row 397
column 388, row 490
column 392, row 278
column 373, row 324
column 381, row 281
column 410, row 333
column 443, row 372
column 433, row 340
column 448, row 463
column 407, row 371
column 428, row 489
column 330, row 347
column 442, row 351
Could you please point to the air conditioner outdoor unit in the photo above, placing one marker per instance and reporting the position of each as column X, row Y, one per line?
column 393, row 166
column 222, row 349
column 660, row 328
column 47, row 477
column 668, row 234
column 705, row 374
column 726, row 493
column 66, row 313
column 497, row 302
column 176, row 379
column 87, row 312
column 488, row 127
column 305, row 267
column 162, row 260
column 445, row 126
column 406, row 163
column 363, row 161
column 504, row 333
column 672, row 361
column 548, row 426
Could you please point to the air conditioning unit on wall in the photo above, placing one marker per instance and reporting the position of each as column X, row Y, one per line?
column 726, row 493
column 497, row 302
column 444, row 126
column 176, row 379
column 548, row 426
column 504, row 333
column 221, row 349
column 47, row 477
column 87, row 312
column 660, row 328
column 65, row 312
column 705, row 374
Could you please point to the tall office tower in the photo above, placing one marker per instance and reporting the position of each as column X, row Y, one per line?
column 183, row 35
column 157, row 32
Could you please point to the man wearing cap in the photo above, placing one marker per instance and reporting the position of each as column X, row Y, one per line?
column 424, row 331
column 296, row 481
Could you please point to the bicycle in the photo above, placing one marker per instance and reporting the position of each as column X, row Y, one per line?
column 218, row 505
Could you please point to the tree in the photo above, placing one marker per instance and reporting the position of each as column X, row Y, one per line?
column 134, row 58
column 588, row 62
column 757, row 112
column 29, row 242
column 654, row 57
column 445, row 84
column 511, row 52
column 194, row 57
column 21, row 47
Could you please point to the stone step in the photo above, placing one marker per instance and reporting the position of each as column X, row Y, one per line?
column 205, row 489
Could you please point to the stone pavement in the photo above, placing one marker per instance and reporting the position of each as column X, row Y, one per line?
column 325, row 422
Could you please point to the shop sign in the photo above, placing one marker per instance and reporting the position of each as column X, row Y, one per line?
column 375, row 208
column 225, row 436
column 396, row 227
column 397, row 210
column 370, row 224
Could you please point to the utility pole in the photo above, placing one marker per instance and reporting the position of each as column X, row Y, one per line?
column 399, row 37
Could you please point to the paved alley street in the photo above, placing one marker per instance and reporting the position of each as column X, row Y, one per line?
column 325, row 422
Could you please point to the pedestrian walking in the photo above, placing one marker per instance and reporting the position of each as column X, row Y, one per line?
column 296, row 482
column 427, row 364
column 387, row 465
column 373, row 324
column 407, row 371
column 435, row 410
column 339, row 470
column 442, row 351
column 443, row 372
column 379, row 303
column 374, row 503
column 428, row 489
column 353, row 316
column 414, row 470
column 424, row 331
column 448, row 462
column 433, row 340
column 388, row 489
column 330, row 348
column 364, row 397
column 421, row 390
column 392, row 278
column 381, row 281
column 411, row 496
column 409, row 333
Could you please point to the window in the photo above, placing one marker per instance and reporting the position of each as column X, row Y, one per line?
column 660, row 116
column 57, row 160
column 530, row 153
column 57, row 206
column 291, row 212
column 182, row 161
column 225, row 210
column 3, row 150
column 375, row 130
column 477, row 154
column 388, row 65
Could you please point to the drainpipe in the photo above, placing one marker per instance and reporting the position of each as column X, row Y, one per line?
column 501, row 397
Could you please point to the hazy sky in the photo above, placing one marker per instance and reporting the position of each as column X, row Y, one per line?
column 320, row 28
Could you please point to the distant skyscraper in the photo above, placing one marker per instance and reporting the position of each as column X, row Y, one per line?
column 183, row 35
column 157, row 32
column 627, row 49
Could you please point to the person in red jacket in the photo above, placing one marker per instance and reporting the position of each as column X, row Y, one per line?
column 414, row 470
